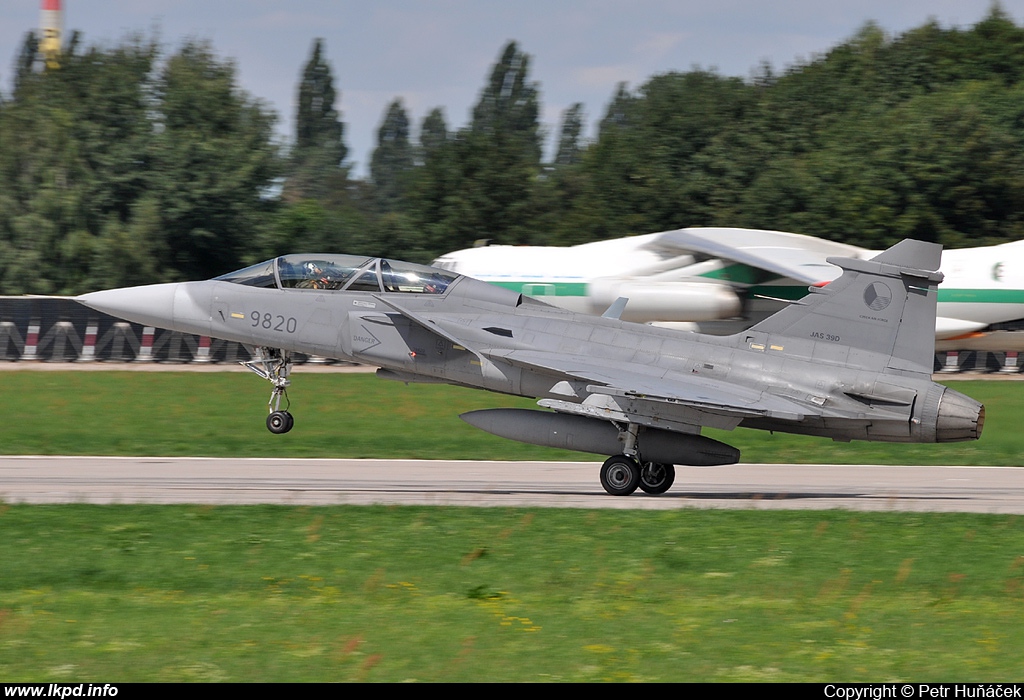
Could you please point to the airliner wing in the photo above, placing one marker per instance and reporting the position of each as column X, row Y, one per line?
column 791, row 255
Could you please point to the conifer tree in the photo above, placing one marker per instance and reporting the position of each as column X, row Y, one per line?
column 499, row 156
column 569, row 148
column 318, row 124
column 319, row 133
column 392, row 160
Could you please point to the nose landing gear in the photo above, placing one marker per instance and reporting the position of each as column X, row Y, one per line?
column 275, row 365
column 280, row 422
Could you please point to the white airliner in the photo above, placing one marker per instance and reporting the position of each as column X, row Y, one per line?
column 724, row 279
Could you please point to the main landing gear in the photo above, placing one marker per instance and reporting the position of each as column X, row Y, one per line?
column 275, row 365
column 656, row 477
column 622, row 474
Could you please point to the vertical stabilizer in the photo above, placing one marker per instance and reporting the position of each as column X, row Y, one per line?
column 885, row 305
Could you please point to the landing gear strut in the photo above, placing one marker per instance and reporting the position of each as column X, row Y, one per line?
column 275, row 365
column 622, row 474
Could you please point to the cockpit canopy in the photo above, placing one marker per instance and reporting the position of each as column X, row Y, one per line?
column 342, row 273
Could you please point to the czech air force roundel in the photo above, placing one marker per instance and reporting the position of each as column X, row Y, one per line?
column 877, row 296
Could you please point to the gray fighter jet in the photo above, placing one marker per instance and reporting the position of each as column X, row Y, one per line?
column 850, row 361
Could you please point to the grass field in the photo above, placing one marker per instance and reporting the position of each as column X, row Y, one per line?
column 262, row 593
column 185, row 593
column 359, row 415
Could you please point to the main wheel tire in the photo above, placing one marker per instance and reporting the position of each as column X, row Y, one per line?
column 620, row 475
column 279, row 422
column 656, row 477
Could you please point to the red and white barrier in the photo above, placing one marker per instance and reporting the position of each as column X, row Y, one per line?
column 92, row 330
column 31, row 342
column 146, row 351
column 203, row 351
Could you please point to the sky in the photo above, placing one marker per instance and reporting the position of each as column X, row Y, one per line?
column 438, row 53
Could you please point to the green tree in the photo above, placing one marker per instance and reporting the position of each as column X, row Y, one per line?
column 433, row 199
column 392, row 160
column 642, row 174
column 570, row 150
column 112, row 173
column 319, row 148
column 213, row 159
column 317, row 123
column 25, row 63
column 498, row 157
column 73, row 159
column 433, row 132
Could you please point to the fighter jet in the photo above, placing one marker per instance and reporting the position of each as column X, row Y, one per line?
column 850, row 361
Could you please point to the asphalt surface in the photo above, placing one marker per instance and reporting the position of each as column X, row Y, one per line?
column 471, row 483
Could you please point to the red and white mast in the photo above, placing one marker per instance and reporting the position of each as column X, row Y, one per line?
column 51, row 26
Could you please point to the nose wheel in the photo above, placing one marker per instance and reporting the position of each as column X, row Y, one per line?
column 280, row 422
column 275, row 365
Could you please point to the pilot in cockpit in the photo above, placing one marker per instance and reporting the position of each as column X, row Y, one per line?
column 314, row 277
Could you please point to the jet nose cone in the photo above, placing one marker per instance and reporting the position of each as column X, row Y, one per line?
column 180, row 306
column 152, row 305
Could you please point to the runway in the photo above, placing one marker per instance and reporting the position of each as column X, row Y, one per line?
column 104, row 480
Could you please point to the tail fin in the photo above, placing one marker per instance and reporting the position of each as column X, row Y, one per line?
column 884, row 305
